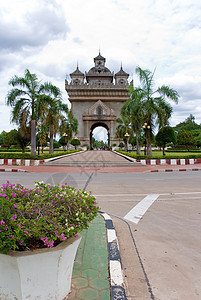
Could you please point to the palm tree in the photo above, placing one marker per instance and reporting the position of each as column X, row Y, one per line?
column 134, row 112
column 25, row 98
column 69, row 126
column 154, row 107
column 123, row 130
column 51, row 115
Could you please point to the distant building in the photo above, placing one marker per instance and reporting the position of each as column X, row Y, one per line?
column 97, row 98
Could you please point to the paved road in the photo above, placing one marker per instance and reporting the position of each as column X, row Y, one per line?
column 160, row 239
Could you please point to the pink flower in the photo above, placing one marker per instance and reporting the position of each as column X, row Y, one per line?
column 62, row 200
column 12, row 236
column 20, row 226
column 15, row 205
column 13, row 217
column 51, row 244
column 6, row 228
column 63, row 237
column 21, row 241
column 25, row 231
column 2, row 223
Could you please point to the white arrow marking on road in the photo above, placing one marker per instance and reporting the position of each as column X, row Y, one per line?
column 137, row 212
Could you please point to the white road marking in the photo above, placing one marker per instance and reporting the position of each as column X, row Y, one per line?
column 137, row 212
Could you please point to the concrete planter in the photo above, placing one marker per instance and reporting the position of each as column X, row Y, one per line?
column 41, row 274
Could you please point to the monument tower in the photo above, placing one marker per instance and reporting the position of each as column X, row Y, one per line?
column 96, row 99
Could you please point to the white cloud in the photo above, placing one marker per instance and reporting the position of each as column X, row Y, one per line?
column 49, row 37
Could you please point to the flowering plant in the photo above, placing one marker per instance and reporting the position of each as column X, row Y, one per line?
column 43, row 216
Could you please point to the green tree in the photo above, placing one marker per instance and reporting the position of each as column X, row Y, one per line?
column 189, row 124
column 75, row 142
column 42, row 136
column 69, row 126
column 26, row 98
column 123, row 130
column 52, row 115
column 134, row 111
column 11, row 138
column 3, row 137
column 121, row 145
column 164, row 136
column 184, row 137
column 154, row 108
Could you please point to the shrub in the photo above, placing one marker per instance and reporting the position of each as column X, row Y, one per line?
column 29, row 156
column 43, row 216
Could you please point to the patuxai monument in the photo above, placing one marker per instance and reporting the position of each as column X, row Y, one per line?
column 96, row 99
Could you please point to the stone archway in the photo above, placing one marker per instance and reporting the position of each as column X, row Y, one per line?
column 95, row 125
column 97, row 97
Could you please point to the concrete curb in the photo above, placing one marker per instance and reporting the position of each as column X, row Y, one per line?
column 13, row 170
column 176, row 170
column 20, row 162
column 115, row 268
column 170, row 161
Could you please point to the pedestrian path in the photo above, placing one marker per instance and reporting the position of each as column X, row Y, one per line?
column 90, row 274
column 93, row 159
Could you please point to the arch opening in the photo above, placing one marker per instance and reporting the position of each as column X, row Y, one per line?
column 99, row 136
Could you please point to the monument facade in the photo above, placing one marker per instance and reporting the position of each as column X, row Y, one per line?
column 96, row 99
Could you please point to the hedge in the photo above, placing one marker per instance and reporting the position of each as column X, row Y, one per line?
column 29, row 156
column 169, row 156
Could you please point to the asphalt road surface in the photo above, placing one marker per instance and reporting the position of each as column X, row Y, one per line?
column 157, row 217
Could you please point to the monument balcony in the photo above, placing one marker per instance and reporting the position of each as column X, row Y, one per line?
column 95, row 85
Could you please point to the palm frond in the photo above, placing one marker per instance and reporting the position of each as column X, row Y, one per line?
column 168, row 92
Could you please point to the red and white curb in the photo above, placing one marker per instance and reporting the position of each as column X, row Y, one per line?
column 116, row 274
column 168, row 161
column 12, row 170
column 176, row 170
column 20, row 162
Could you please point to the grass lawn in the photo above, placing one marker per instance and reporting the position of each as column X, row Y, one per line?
column 27, row 155
column 157, row 154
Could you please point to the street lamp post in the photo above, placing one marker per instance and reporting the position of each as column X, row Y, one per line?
column 126, row 136
column 66, row 136
column 146, row 127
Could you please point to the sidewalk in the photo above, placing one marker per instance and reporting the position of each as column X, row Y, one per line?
column 134, row 169
column 90, row 274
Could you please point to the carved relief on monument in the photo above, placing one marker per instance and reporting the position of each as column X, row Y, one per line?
column 99, row 111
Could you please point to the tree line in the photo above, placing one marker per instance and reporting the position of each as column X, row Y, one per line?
column 146, row 109
column 38, row 111
column 40, row 114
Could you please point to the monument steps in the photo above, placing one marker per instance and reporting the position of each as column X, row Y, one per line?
column 92, row 163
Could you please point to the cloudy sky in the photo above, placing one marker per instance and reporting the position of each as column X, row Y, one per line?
column 49, row 36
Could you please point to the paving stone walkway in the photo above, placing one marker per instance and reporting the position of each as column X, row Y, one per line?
column 90, row 274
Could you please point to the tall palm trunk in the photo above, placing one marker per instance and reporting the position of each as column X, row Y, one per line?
column 33, row 137
column 51, row 150
column 149, row 149
column 138, row 152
